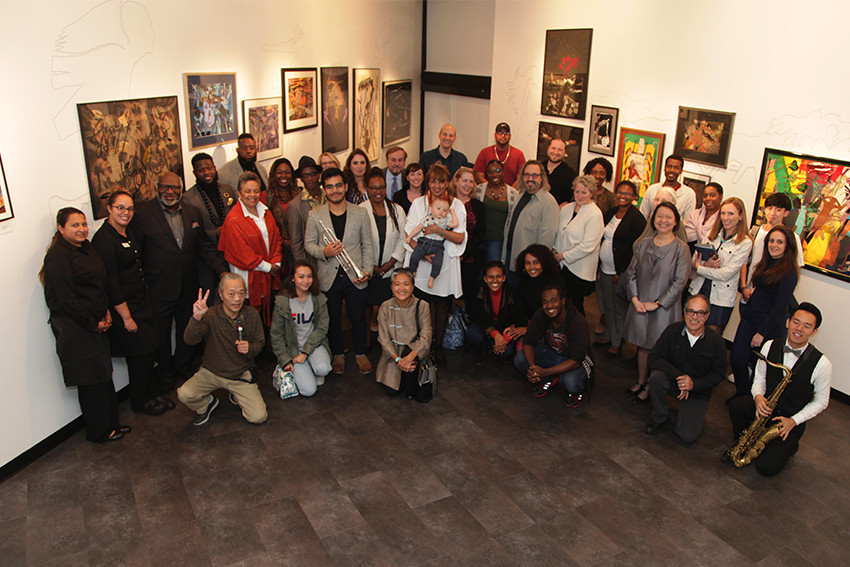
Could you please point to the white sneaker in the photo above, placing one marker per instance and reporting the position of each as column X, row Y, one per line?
column 320, row 380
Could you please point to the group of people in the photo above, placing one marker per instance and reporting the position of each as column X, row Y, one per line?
column 521, row 242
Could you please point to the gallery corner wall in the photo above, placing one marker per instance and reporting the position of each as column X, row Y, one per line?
column 60, row 53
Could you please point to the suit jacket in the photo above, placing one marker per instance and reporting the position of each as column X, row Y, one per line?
column 404, row 182
column 630, row 228
column 228, row 196
column 171, row 272
column 357, row 240
column 297, row 212
column 229, row 173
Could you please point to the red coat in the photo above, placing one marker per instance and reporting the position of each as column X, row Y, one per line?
column 244, row 248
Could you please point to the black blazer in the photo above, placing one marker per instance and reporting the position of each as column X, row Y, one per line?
column 630, row 228
column 171, row 272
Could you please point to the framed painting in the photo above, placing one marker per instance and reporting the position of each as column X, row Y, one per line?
column 571, row 135
column 127, row 144
column 639, row 158
column 396, row 123
column 263, row 119
column 819, row 189
column 565, row 72
column 335, row 109
column 213, row 115
column 603, row 129
column 367, row 111
column 703, row 135
column 299, row 99
column 5, row 204
column 697, row 182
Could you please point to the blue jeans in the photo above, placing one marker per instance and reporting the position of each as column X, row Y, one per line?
column 492, row 250
column 572, row 380
column 479, row 340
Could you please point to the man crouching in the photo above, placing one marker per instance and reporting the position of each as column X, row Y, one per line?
column 234, row 336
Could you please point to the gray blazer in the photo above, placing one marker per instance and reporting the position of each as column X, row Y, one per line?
column 228, row 197
column 357, row 240
column 229, row 173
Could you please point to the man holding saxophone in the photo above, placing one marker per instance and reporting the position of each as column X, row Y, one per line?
column 339, row 237
column 804, row 396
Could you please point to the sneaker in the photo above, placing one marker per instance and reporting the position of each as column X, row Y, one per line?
column 338, row 364
column 202, row 418
column 233, row 399
column 363, row 364
column 574, row 400
column 320, row 380
column 542, row 388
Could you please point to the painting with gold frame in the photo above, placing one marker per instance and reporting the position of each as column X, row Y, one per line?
column 639, row 158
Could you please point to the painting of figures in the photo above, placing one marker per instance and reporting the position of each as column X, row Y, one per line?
column 263, row 119
column 335, row 109
column 639, row 158
column 703, row 135
column 299, row 99
column 566, row 65
column 212, row 110
column 127, row 144
column 367, row 111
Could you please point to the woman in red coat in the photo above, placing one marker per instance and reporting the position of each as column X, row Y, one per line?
column 252, row 246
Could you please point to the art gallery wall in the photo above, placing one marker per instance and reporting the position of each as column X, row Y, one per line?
column 62, row 52
column 771, row 62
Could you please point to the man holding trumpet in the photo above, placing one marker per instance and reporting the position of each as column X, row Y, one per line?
column 339, row 237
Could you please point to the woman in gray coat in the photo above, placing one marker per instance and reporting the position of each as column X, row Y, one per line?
column 655, row 280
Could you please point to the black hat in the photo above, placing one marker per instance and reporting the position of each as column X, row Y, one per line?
column 304, row 163
column 503, row 126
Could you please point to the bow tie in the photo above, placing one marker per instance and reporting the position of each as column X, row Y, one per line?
column 795, row 351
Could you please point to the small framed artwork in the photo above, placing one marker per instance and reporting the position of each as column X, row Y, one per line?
column 703, row 135
column 565, row 72
column 603, row 129
column 335, row 109
column 129, row 154
column 571, row 135
column 299, row 99
column 212, row 110
column 396, row 123
column 367, row 111
column 697, row 182
column 639, row 158
column 5, row 204
column 263, row 119
column 818, row 189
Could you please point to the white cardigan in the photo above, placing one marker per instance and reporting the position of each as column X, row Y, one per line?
column 448, row 281
column 724, row 280
column 580, row 238
column 394, row 243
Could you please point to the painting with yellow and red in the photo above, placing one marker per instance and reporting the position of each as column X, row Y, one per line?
column 566, row 64
column 703, row 135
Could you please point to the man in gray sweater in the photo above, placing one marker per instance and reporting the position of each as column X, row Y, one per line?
column 234, row 336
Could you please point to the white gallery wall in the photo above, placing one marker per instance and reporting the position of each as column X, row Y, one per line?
column 62, row 52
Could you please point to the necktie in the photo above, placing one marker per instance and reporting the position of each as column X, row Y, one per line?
column 395, row 184
column 795, row 351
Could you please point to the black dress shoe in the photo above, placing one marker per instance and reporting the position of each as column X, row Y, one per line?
column 125, row 429
column 168, row 403
column 152, row 407
column 652, row 428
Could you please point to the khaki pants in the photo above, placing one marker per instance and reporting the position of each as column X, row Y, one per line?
column 195, row 394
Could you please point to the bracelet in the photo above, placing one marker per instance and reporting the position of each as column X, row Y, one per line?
column 494, row 334
column 397, row 359
column 442, row 231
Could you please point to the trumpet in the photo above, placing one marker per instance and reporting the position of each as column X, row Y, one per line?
column 761, row 431
column 344, row 258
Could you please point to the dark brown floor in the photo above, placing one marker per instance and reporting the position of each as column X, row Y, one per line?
column 483, row 475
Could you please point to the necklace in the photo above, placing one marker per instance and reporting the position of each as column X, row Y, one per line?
column 499, row 196
column 496, row 151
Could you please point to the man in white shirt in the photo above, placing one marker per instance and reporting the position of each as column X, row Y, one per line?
column 686, row 199
column 806, row 395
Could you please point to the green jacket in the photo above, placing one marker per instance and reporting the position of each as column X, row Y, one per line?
column 283, row 338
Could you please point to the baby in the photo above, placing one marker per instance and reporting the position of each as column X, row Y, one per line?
column 443, row 216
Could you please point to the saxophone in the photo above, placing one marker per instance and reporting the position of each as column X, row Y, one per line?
column 761, row 431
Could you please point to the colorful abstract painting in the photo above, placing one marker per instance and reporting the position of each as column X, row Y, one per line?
column 703, row 136
column 263, row 119
column 639, row 158
column 127, row 144
column 819, row 189
column 212, row 111
column 566, row 65
column 299, row 99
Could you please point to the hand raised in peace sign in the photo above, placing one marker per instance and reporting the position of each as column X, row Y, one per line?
column 200, row 307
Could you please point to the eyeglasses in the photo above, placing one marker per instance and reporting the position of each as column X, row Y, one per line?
column 530, row 175
column 695, row 313
column 168, row 187
column 339, row 185
column 122, row 208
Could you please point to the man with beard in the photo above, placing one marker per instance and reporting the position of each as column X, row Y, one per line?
column 246, row 160
column 512, row 158
column 171, row 237
column 214, row 200
column 686, row 199
column 394, row 172
column 310, row 198
column 561, row 175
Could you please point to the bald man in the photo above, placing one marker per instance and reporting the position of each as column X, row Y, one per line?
column 170, row 237
column 445, row 153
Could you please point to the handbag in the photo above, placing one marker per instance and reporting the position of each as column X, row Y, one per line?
column 455, row 334
column 284, row 383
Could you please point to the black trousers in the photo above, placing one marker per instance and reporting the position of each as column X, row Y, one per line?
column 742, row 411
column 178, row 312
column 99, row 405
column 691, row 411
column 142, row 380
column 440, row 307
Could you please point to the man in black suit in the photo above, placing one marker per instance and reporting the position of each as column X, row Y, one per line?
column 394, row 172
column 171, row 237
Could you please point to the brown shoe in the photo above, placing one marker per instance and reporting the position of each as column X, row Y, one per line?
column 338, row 364
column 363, row 364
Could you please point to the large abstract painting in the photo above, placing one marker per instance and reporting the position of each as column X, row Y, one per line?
column 367, row 111
column 127, row 144
column 639, row 158
column 335, row 109
column 819, row 189
column 566, row 65
column 263, row 119
column 396, row 111
column 703, row 135
column 299, row 99
column 571, row 136
column 212, row 109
